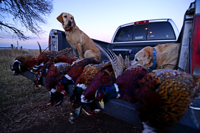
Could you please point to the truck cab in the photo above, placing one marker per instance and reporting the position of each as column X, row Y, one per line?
column 137, row 35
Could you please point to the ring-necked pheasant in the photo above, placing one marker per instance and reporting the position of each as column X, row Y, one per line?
column 43, row 69
column 164, row 97
column 53, row 76
column 125, row 85
column 51, row 55
column 83, row 82
column 24, row 62
column 19, row 63
column 76, row 70
column 47, row 58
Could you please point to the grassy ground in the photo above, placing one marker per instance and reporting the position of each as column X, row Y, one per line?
column 23, row 107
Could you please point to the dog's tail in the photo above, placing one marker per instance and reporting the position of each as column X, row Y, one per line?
column 116, row 61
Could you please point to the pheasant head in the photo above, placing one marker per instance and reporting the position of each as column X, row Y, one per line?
column 56, row 97
column 105, row 93
column 60, row 91
column 16, row 68
column 75, row 99
column 20, row 60
column 103, row 77
column 63, row 83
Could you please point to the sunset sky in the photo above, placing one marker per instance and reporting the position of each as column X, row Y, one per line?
column 100, row 18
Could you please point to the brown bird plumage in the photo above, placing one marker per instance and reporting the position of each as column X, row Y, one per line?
column 23, row 63
column 53, row 55
column 78, row 66
column 105, row 76
column 55, row 73
column 164, row 97
column 128, row 82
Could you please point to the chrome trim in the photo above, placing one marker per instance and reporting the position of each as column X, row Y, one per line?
column 197, row 7
column 176, row 31
column 144, row 41
column 120, row 49
column 54, row 41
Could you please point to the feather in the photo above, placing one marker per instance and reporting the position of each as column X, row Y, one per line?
column 164, row 97
column 116, row 61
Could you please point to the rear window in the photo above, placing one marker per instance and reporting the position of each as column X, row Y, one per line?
column 124, row 34
column 140, row 32
column 147, row 31
column 160, row 31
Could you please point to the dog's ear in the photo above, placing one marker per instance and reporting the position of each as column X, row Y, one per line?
column 146, row 60
column 147, row 56
column 59, row 18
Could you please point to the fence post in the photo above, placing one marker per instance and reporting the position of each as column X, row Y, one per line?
column 17, row 45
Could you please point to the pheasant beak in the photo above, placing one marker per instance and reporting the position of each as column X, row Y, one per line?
column 101, row 103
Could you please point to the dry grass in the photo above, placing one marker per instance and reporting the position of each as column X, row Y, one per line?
column 15, row 91
column 14, row 87
column 23, row 107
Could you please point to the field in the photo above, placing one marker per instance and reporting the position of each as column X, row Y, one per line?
column 23, row 107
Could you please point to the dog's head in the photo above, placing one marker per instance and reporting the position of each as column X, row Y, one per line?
column 144, row 57
column 67, row 21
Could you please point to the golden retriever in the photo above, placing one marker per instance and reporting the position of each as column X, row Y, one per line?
column 166, row 56
column 77, row 39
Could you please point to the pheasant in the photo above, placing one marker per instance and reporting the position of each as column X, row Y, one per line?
column 43, row 69
column 53, row 76
column 51, row 55
column 66, row 59
column 85, row 86
column 82, row 82
column 19, row 63
column 76, row 70
column 164, row 97
column 124, row 86
column 104, row 77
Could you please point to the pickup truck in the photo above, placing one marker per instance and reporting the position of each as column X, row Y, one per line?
column 130, row 38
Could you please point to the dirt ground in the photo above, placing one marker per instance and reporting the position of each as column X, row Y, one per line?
column 39, row 118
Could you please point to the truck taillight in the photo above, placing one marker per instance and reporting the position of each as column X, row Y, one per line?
column 195, row 47
column 141, row 22
column 49, row 43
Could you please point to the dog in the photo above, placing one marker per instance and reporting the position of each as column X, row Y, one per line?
column 77, row 39
column 162, row 56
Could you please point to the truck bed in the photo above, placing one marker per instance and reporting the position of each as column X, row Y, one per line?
column 189, row 123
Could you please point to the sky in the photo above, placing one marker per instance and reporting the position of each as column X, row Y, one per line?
column 100, row 18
